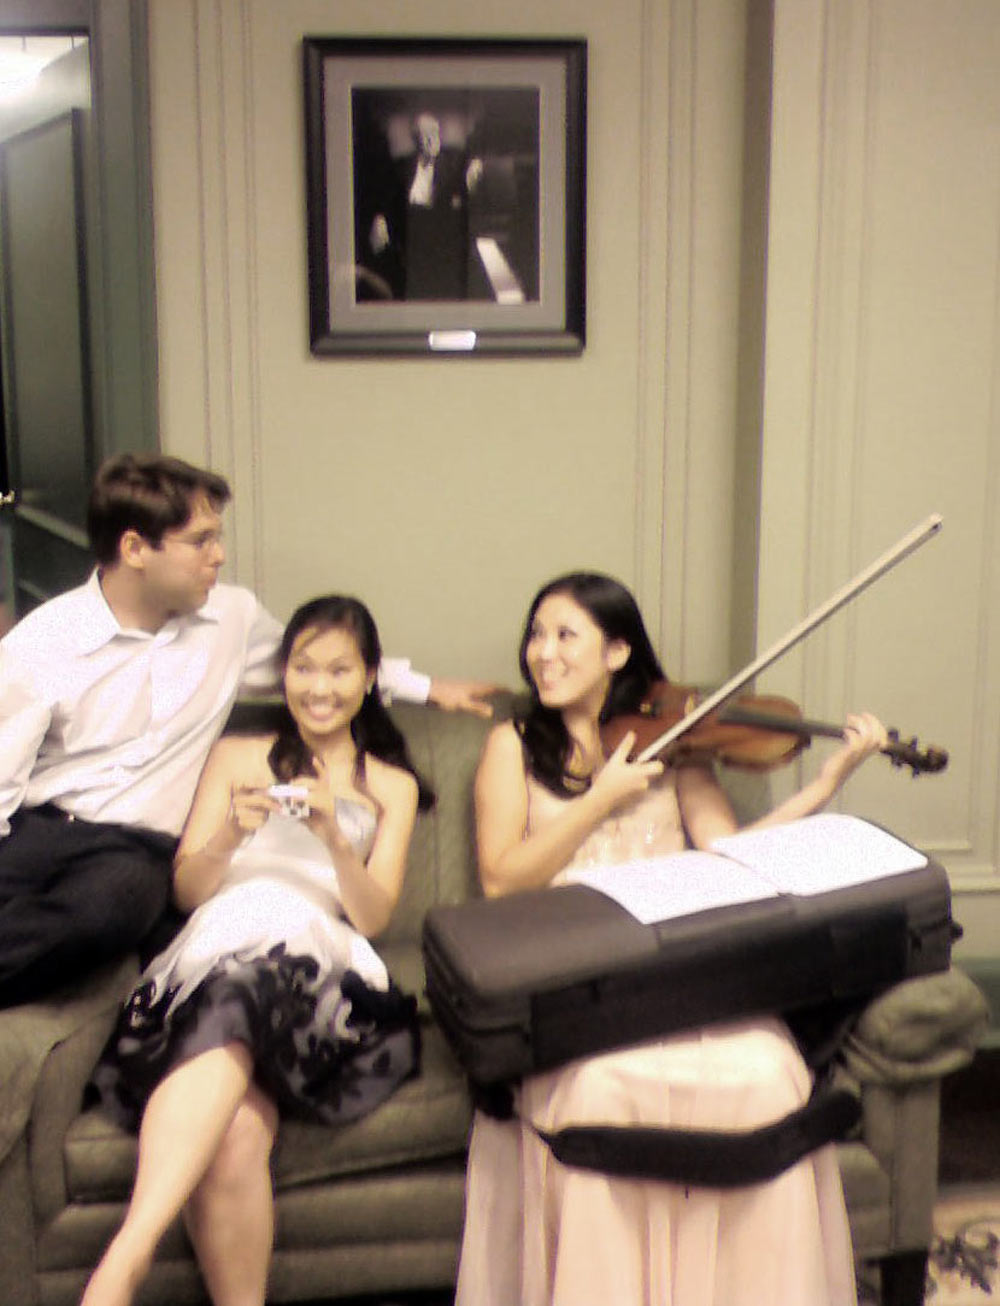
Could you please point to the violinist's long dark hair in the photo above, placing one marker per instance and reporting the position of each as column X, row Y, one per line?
column 372, row 729
column 546, row 741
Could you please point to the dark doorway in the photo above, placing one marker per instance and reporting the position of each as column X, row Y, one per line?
column 77, row 298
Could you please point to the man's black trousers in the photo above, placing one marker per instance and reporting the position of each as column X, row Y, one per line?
column 75, row 894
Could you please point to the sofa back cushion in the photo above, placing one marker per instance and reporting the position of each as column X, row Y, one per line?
column 445, row 748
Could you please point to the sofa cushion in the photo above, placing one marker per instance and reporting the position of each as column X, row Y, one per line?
column 445, row 747
column 427, row 1118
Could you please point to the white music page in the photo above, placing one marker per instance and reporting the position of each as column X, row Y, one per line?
column 662, row 888
column 822, row 852
column 808, row 856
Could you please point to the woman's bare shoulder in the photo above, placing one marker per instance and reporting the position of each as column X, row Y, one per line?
column 503, row 741
column 389, row 783
column 502, row 758
column 235, row 754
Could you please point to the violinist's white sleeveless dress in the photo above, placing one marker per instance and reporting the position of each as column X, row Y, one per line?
column 539, row 1233
column 271, row 961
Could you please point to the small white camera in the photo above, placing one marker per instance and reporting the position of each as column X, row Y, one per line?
column 292, row 800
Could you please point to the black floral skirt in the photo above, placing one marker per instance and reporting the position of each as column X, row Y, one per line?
column 325, row 1047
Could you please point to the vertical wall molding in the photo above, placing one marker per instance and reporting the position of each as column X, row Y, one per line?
column 699, row 368
column 985, row 813
column 884, row 209
column 677, row 370
column 651, row 388
column 204, row 183
column 223, row 42
column 833, row 550
column 125, row 235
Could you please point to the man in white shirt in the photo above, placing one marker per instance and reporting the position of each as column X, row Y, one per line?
column 111, row 696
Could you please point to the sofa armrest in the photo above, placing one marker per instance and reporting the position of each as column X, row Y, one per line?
column 904, row 1042
column 29, row 1032
column 900, row 1126
column 47, row 1051
column 917, row 1031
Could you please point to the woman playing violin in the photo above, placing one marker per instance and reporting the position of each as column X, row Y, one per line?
column 547, row 799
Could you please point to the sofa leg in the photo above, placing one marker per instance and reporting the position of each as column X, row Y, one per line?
column 904, row 1275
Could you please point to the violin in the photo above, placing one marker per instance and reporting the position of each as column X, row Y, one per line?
column 753, row 731
column 675, row 724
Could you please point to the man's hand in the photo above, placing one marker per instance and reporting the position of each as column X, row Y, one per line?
column 462, row 696
column 378, row 237
column 473, row 174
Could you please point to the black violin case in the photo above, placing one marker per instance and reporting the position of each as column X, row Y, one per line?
column 526, row 982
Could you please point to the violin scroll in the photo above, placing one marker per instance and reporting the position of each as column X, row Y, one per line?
column 930, row 759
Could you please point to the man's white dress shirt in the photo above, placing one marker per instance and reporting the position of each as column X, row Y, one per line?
column 422, row 187
column 115, row 725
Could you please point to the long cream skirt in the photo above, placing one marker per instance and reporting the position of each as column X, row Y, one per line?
column 539, row 1233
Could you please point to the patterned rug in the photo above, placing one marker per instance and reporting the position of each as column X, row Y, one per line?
column 964, row 1256
column 966, row 1248
column 963, row 1270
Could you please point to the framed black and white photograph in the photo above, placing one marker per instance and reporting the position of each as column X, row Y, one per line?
column 445, row 184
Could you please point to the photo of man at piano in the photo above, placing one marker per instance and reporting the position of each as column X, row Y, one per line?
column 446, row 194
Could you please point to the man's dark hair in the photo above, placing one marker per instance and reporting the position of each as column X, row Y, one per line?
column 146, row 493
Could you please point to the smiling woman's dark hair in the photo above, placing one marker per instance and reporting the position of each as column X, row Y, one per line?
column 372, row 729
column 546, row 742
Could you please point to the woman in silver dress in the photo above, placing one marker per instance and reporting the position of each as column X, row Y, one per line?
column 271, row 1000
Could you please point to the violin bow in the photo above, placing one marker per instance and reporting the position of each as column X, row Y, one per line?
column 885, row 562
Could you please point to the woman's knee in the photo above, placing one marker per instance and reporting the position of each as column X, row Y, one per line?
column 247, row 1142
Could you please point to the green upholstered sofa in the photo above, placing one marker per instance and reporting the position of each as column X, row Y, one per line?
column 377, row 1205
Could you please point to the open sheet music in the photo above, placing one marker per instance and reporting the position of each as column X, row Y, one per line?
column 812, row 855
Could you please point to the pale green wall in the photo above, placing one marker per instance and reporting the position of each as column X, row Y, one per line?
column 445, row 491
column 735, row 465
column 881, row 388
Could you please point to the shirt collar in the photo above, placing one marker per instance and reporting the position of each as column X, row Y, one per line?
column 211, row 609
column 98, row 625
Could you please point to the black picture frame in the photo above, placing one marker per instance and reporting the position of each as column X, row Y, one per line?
column 445, row 195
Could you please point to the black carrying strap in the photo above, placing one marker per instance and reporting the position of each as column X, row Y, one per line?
column 708, row 1158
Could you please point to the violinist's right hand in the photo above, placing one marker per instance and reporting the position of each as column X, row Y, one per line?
column 619, row 779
